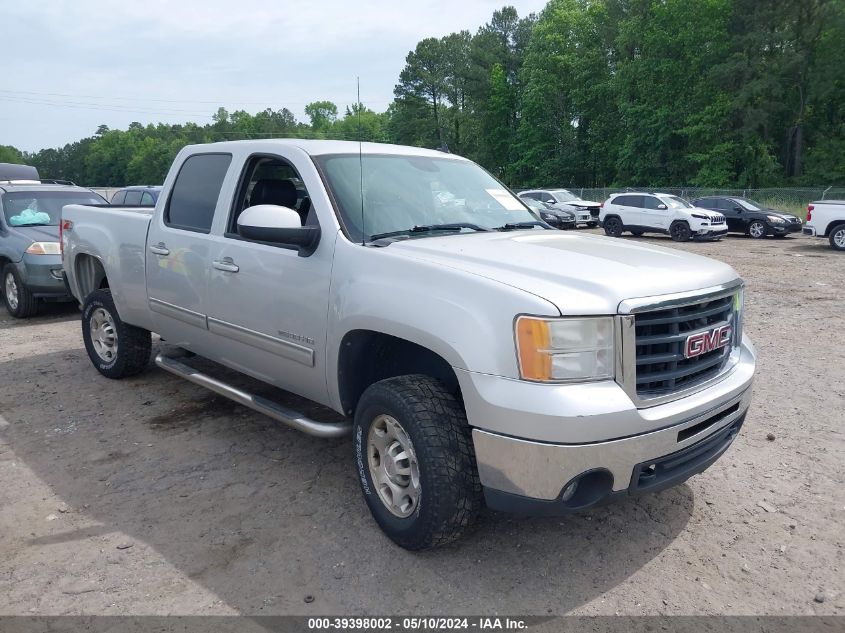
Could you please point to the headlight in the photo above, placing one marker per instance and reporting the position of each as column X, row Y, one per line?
column 565, row 350
column 699, row 216
column 775, row 219
column 44, row 248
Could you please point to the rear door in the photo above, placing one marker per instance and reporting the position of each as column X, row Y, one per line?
column 178, row 250
column 267, row 305
column 628, row 207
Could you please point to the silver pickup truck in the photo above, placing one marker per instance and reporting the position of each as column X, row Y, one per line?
column 476, row 355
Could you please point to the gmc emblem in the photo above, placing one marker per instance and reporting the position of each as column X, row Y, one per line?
column 703, row 342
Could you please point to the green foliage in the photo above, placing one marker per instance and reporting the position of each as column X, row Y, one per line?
column 9, row 154
column 594, row 93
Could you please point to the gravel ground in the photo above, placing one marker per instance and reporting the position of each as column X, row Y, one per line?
column 153, row 496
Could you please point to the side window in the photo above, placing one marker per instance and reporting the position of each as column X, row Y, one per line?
column 195, row 192
column 650, row 202
column 118, row 198
column 147, row 200
column 622, row 201
column 133, row 198
column 270, row 180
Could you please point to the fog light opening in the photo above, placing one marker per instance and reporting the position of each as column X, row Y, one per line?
column 587, row 489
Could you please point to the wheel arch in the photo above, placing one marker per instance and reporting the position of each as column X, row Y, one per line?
column 90, row 275
column 832, row 226
column 368, row 356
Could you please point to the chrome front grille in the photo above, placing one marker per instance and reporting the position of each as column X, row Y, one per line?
column 660, row 338
column 652, row 335
column 717, row 219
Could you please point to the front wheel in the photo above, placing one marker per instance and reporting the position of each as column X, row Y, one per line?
column 837, row 238
column 613, row 227
column 18, row 299
column 116, row 349
column 680, row 231
column 757, row 230
column 415, row 461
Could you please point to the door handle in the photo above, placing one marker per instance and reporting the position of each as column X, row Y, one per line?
column 226, row 264
column 159, row 249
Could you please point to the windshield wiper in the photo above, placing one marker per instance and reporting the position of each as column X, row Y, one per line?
column 513, row 226
column 427, row 228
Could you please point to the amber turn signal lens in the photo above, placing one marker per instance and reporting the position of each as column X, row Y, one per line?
column 532, row 343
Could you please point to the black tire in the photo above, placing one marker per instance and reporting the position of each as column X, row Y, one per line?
column 680, row 231
column 23, row 304
column 613, row 227
column 837, row 234
column 133, row 344
column 450, row 496
column 758, row 227
column 592, row 225
column 637, row 233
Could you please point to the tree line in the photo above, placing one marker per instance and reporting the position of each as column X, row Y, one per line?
column 592, row 93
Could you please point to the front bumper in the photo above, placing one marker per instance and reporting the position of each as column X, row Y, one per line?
column 42, row 275
column 784, row 229
column 711, row 234
column 591, row 428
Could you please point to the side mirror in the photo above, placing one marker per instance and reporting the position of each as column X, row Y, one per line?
column 662, row 207
column 738, row 209
column 278, row 225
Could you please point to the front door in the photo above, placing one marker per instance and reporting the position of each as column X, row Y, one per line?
column 653, row 215
column 178, row 251
column 268, row 306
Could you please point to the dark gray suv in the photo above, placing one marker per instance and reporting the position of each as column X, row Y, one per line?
column 30, row 256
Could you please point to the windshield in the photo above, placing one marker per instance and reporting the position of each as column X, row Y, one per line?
column 674, row 202
column 562, row 195
column 750, row 204
column 403, row 192
column 42, row 208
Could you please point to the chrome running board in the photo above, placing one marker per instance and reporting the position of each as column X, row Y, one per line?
column 291, row 418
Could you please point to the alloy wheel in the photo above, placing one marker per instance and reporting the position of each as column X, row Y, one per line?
column 12, row 297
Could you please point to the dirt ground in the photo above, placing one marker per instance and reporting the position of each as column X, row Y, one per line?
column 153, row 496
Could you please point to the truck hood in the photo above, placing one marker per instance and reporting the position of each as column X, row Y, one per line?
column 579, row 274
column 38, row 233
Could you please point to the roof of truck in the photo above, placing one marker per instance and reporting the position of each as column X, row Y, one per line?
column 320, row 147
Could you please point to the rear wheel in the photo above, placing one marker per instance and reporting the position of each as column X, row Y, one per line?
column 757, row 229
column 116, row 349
column 613, row 227
column 415, row 461
column 680, row 231
column 16, row 296
column 837, row 237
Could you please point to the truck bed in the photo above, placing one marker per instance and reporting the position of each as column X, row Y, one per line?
column 116, row 235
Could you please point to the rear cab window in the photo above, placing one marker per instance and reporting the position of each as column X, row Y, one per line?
column 196, row 191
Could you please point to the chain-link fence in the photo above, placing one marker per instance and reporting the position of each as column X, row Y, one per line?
column 789, row 199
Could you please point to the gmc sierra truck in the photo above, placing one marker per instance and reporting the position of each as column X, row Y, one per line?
column 474, row 354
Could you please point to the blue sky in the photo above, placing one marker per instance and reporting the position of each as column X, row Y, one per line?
column 70, row 66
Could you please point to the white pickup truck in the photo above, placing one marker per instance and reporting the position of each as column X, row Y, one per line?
column 826, row 218
column 475, row 354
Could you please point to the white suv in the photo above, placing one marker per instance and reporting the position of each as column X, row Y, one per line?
column 660, row 213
